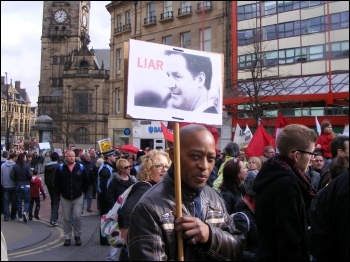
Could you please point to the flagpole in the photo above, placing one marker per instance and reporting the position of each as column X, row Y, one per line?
column 177, row 180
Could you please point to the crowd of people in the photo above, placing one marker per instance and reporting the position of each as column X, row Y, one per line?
column 292, row 205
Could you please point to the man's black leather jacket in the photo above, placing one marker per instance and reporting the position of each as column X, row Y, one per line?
column 152, row 237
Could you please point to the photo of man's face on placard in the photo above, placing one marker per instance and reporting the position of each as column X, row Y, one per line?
column 174, row 84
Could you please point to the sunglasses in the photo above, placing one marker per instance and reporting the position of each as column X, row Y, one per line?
column 126, row 167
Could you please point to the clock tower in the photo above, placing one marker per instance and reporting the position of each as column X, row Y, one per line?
column 65, row 28
column 72, row 77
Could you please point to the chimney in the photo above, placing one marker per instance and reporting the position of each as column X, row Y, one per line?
column 18, row 85
column 2, row 80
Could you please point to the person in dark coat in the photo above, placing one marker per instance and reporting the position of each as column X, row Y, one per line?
column 283, row 192
column 104, row 176
column 329, row 233
column 21, row 173
column 71, row 181
column 245, row 220
column 49, row 179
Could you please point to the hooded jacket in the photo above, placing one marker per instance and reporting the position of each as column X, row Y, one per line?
column 21, row 174
column 49, row 173
column 6, row 180
column 281, row 197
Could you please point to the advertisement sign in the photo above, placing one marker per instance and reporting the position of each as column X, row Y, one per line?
column 174, row 84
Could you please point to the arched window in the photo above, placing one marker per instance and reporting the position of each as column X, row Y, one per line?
column 82, row 135
column 84, row 64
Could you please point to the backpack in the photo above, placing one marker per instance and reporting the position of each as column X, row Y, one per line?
column 80, row 166
column 110, row 176
column 109, row 221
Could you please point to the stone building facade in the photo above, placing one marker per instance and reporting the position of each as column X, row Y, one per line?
column 15, row 115
column 73, row 88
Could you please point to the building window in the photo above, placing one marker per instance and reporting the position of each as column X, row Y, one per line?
column 151, row 12
column 119, row 23
column 204, row 5
column 284, row 6
column 207, row 40
column 270, row 32
column 82, row 135
column 339, row 20
column 117, row 101
column 127, row 18
column 248, row 11
column 167, row 40
column 82, row 103
column 119, row 60
column 185, row 8
column 168, row 10
column 269, row 7
column 316, row 52
column 168, row 6
column 339, row 49
column 186, row 40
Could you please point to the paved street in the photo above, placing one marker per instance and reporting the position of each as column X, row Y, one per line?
column 39, row 241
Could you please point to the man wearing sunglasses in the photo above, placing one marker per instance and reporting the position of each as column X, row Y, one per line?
column 283, row 191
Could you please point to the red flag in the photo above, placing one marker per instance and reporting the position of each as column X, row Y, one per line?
column 167, row 134
column 261, row 138
column 280, row 123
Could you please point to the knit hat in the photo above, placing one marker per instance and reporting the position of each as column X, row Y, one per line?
column 248, row 183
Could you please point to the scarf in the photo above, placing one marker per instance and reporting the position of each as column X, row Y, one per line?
column 197, row 199
column 305, row 181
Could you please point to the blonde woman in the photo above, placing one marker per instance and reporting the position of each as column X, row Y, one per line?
column 254, row 165
column 154, row 165
column 121, row 181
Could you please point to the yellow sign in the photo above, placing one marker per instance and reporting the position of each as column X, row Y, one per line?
column 104, row 144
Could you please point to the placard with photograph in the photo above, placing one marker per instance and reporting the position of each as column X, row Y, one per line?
column 174, row 84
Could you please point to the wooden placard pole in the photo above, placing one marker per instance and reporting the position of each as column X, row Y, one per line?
column 178, row 195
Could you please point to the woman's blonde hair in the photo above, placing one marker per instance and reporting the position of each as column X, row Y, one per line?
column 256, row 160
column 147, row 162
column 119, row 163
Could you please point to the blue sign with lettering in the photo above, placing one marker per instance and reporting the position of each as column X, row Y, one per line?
column 155, row 129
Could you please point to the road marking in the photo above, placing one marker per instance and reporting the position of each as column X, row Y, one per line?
column 46, row 247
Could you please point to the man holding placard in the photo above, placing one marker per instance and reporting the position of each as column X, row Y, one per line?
column 206, row 228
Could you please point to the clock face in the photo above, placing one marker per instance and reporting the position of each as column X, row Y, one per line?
column 60, row 16
column 84, row 20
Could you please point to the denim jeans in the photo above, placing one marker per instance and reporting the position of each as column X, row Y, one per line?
column 88, row 197
column 55, row 203
column 9, row 197
column 37, row 206
column 23, row 194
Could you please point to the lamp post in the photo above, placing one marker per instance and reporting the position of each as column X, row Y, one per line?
column 135, row 4
column 7, row 116
column 96, row 86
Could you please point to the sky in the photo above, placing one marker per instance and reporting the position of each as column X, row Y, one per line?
column 21, row 27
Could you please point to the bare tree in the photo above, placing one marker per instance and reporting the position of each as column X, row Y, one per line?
column 259, row 65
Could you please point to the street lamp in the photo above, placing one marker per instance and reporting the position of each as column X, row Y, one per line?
column 135, row 4
column 8, row 144
column 96, row 86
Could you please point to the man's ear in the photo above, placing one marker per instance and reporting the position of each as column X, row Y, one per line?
column 171, row 154
column 201, row 79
